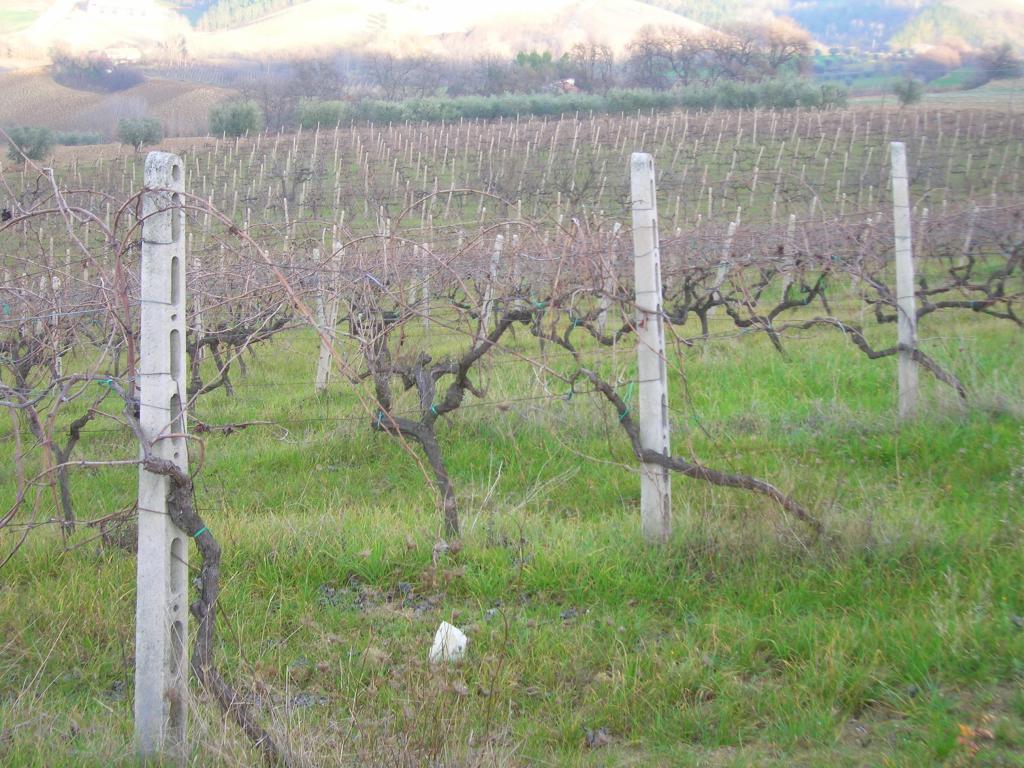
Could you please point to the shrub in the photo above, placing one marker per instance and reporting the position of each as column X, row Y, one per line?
column 778, row 94
column 908, row 91
column 832, row 96
column 326, row 114
column 1001, row 62
column 78, row 138
column 34, row 143
column 138, row 132
column 236, row 118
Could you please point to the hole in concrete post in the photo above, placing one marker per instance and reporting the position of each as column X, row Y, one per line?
column 175, row 355
column 177, row 645
column 176, row 425
column 176, row 661
column 175, row 279
column 177, row 422
column 179, row 577
column 176, row 215
column 176, row 173
column 176, row 714
column 176, row 710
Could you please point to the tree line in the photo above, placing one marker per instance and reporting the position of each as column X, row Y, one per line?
column 661, row 67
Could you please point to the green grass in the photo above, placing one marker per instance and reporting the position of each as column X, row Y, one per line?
column 958, row 79
column 743, row 642
column 15, row 19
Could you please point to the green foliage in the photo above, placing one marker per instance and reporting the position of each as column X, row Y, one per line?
column 712, row 14
column 138, row 132
column 777, row 94
column 78, row 138
column 940, row 22
column 236, row 118
column 230, row 13
column 908, row 91
column 326, row 114
column 32, row 142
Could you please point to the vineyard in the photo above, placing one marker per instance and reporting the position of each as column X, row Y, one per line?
column 411, row 393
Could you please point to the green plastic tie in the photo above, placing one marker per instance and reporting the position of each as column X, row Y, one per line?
column 200, row 532
column 628, row 396
column 380, row 418
column 433, row 409
column 7, row 309
column 106, row 383
column 540, row 304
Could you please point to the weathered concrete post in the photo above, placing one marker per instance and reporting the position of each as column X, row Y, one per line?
column 492, row 277
column 723, row 264
column 655, row 485
column 161, row 616
column 906, row 309
column 610, row 281
column 327, row 315
column 788, row 260
column 425, row 287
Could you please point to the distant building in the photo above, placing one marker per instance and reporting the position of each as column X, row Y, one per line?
column 566, row 85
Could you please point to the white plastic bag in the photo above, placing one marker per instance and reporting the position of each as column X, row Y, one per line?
column 449, row 644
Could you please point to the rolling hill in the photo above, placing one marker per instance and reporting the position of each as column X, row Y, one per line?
column 875, row 24
column 31, row 97
column 461, row 27
column 215, row 29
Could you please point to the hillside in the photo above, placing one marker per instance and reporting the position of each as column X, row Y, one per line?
column 975, row 24
column 874, row 24
column 208, row 29
column 31, row 97
column 459, row 27
column 441, row 27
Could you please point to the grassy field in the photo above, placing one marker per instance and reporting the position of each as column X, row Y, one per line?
column 996, row 94
column 743, row 642
column 18, row 14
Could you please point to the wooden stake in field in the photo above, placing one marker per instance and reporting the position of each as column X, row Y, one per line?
column 161, row 616
column 906, row 309
column 652, row 372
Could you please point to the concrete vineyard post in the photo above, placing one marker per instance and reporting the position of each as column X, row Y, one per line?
column 161, row 617
column 327, row 314
column 610, row 279
column 788, row 260
column 492, row 276
column 906, row 309
column 652, row 372
column 723, row 264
